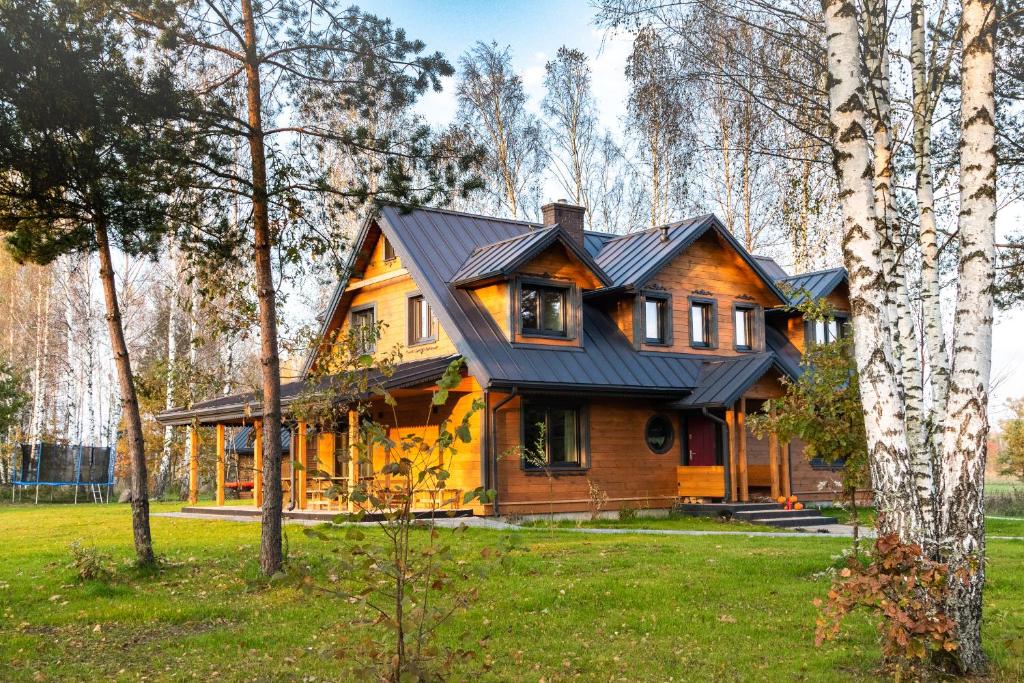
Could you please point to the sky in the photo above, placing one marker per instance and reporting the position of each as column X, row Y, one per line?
column 535, row 30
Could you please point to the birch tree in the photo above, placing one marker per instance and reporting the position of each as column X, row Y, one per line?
column 492, row 107
column 965, row 437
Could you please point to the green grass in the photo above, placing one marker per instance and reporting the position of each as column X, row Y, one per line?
column 676, row 522
column 561, row 607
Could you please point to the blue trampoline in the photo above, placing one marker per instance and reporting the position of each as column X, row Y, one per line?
column 51, row 464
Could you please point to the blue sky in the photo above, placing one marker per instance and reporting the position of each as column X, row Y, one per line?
column 535, row 30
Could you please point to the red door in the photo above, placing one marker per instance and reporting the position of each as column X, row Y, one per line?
column 700, row 439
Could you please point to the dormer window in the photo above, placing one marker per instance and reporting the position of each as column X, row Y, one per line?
column 657, row 319
column 703, row 332
column 746, row 327
column 543, row 310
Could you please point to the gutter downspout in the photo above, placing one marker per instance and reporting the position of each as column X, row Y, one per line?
column 728, row 445
column 494, row 445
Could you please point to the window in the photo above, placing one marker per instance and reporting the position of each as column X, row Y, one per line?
column 827, row 330
column 745, row 327
column 702, row 324
column 542, row 310
column 421, row 321
column 656, row 320
column 659, row 434
column 389, row 250
column 364, row 329
column 551, row 436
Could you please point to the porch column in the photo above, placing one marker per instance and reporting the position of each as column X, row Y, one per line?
column 773, row 460
column 353, row 454
column 730, row 422
column 741, row 427
column 300, row 472
column 193, row 465
column 257, row 465
column 787, row 485
column 220, row 464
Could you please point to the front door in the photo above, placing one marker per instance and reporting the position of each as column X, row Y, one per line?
column 700, row 440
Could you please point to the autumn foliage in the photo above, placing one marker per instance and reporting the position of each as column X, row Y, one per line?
column 905, row 591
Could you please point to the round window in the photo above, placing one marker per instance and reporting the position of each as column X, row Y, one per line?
column 659, row 434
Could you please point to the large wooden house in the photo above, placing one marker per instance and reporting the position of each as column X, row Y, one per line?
column 640, row 354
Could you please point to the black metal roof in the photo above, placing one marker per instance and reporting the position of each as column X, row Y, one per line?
column 814, row 285
column 249, row 406
column 771, row 266
column 723, row 380
column 631, row 260
column 433, row 244
column 594, row 242
column 504, row 257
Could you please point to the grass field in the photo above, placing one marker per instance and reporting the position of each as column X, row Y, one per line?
column 561, row 607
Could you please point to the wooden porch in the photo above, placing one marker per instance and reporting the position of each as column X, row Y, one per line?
column 734, row 479
column 317, row 481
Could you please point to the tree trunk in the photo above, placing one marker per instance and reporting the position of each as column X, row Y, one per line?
column 903, row 334
column 163, row 472
column 883, row 410
column 931, row 328
column 35, row 423
column 129, row 403
column 966, row 426
column 270, row 540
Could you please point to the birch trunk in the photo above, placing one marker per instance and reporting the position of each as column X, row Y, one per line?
column 966, row 426
column 904, row 336
column 895, row 496
column 35, row 423
column 163, row 473
column 129, row 403
column 270, row 542
column 934, row 339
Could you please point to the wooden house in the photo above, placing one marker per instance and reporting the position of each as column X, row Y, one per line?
column 640, row 354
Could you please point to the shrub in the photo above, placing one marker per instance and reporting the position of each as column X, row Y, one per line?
column 905, row 592
column 627, row 513
column 89, row 563
column 598, row 499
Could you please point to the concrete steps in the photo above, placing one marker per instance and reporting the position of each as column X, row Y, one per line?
column 769, row 514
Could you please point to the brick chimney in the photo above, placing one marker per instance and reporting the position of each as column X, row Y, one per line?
column 568, row 216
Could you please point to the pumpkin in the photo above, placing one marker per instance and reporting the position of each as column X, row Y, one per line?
column 792, row 499
column 782, row 500
column 798, row 506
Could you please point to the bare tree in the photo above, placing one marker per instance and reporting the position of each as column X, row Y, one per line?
column 492, row 107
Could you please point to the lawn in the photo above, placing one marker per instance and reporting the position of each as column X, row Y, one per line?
column 562, row 606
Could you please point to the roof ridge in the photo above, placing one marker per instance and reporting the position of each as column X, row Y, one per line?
column 512, row 239
column 674, row 224
column 453, row 212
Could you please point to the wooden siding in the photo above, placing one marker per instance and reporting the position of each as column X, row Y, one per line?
column 620, row 462
column 559, row 263
column 708, row 269
column 377, row 265
column 391, row 299
column 495, row 299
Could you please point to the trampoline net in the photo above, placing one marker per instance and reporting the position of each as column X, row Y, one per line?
column 49, row 463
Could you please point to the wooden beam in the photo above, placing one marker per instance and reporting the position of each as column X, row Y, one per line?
column 773, row 460
column 730, row 421
column 257, row 464
column 787, row 486
column 193, row 465
column 376, row 279
column 300, row 473
column 353, row 452
column 741, row 428
column 220, row 464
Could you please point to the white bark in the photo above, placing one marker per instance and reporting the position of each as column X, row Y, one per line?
column 904, row 336
column 895, row 495
column 163, row 472
column 966, row 426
